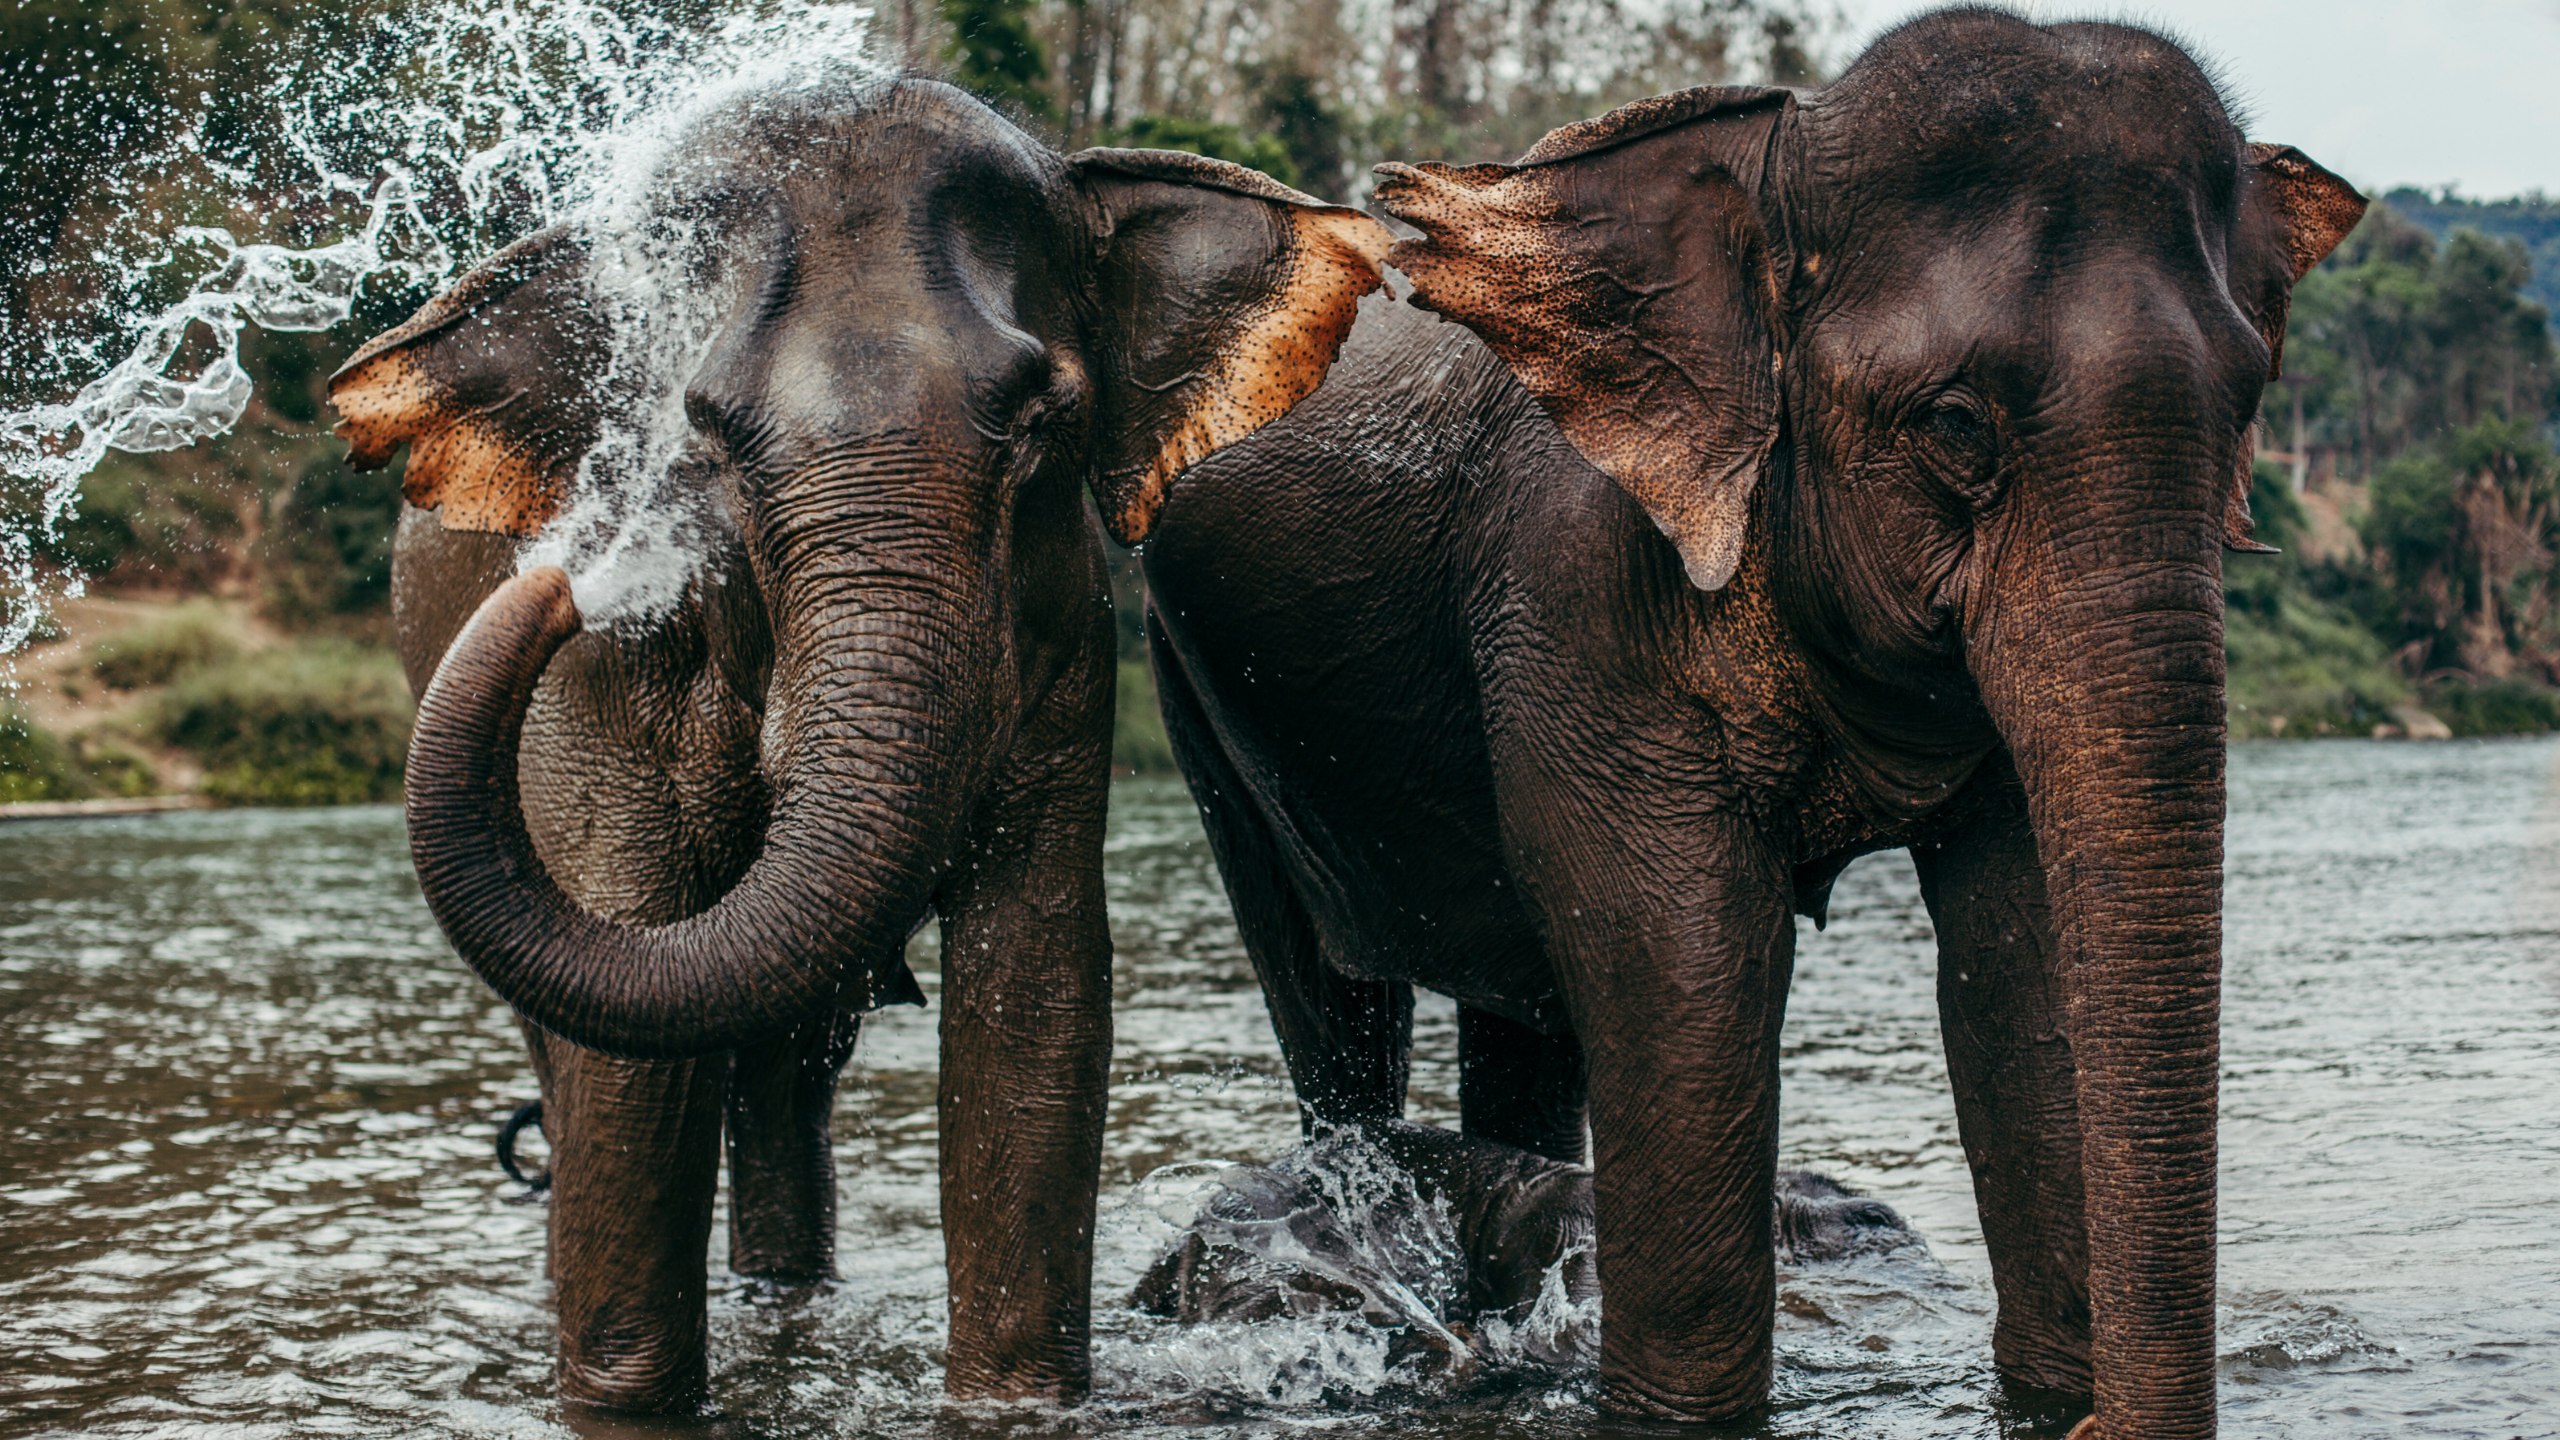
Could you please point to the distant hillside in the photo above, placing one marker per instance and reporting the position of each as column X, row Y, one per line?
column 2532, row 219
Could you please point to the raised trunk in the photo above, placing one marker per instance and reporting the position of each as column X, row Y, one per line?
column 2111, row 699
column 824, row 910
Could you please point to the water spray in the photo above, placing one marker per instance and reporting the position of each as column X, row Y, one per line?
column 507, row 115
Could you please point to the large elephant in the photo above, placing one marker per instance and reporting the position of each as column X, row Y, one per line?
column 690, row 847
column 1816, row 473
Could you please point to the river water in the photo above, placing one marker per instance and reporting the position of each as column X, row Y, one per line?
column 246, row 1098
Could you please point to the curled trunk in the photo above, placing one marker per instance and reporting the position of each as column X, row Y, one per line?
column 827, row 902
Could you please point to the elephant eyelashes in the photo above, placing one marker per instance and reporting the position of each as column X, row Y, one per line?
column 1959, row 442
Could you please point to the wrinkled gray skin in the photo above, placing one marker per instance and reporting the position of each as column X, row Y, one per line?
column 688, row 849
column 1274, row 1242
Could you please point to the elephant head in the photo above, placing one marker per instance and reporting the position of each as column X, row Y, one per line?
column 932, row 338
column 1951, row 367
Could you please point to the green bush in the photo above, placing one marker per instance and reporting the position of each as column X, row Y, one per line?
column 165, row 647
column 1138, row 740
column 326, row 552
column 35, row 764
column 2300, row 664
column 139, row 519
column 113, row 767
column 326, row 723
column 2494, row 707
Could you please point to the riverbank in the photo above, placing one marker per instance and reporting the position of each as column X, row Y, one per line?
column 204, row 699
column 141, row 696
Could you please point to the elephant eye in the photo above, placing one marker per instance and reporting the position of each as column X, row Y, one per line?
column 1958, row 443
column 1958, row 422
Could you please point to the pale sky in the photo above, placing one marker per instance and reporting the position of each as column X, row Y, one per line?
column 2385, row 92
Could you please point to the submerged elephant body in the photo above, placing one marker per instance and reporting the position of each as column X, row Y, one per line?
column 1432, row 1237
column 690, row 846
column 1812, row 473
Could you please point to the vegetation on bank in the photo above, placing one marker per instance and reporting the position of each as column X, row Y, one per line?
column 198, row 697
column 2422, row 377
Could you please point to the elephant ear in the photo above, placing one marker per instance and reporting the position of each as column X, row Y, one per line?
column 1622, row 271
column 493, row 385
column 1224, row 296
column 2293, row 213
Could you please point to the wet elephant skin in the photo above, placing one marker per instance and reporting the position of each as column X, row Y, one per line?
column 1807, row 474
column 1272, row 1241
column 689, row 846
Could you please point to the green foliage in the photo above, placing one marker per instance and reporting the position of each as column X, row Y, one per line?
column 2464, row 534
column 1290, row 102
column 2275, row 515
column 2299, row 664
column 2397, row 340
column 1138, row 741
column 327, row 550
column 320, row 723
column 995, row 54
column 165, row 647
column 2532, row 221
column 139, row 521
column 114, row 767
column 35, row 764
column 1207, row 137
column 2512, row 706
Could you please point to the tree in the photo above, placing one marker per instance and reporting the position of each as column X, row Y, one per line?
column 2399, row 342
column 2464, row 532
column 995, row 53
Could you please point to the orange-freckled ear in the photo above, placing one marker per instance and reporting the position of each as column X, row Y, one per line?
column 490, row 385
column 2318, row 208
column 1224, row 297
column 1622, row 271
column 2305, row 211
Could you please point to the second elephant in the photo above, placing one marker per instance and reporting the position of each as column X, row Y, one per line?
column 1815, row 473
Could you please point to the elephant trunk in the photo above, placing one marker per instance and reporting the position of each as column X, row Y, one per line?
column 2109, row 693
column 821, row 915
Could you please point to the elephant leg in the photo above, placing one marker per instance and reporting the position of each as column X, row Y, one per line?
column 782, row 1167
column 2000, row 1003
column 1026, row 1060
column 1520, row 1086
column 635, row 1161
column 1348, row 1042
column 1676, row 972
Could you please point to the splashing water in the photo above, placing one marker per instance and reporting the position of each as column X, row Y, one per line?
column 499, row 117
column 1369, row 1230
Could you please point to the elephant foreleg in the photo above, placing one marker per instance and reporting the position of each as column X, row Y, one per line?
column 1677, row 974
column 635, row 1160
column 782, row 1169
column 1518, row 1086
column 2000, row 1003
column 1026, row 1057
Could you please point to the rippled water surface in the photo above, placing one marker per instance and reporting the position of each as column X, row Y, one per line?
column 246, row 1099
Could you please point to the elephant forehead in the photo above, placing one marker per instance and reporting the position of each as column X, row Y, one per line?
column 1968, row 101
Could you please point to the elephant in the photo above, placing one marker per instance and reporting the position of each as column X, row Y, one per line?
column 1346, row 1223
column 689, row 845
column 1807, row 473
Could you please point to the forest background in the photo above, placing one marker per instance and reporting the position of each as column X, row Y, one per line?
column 234, row 642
